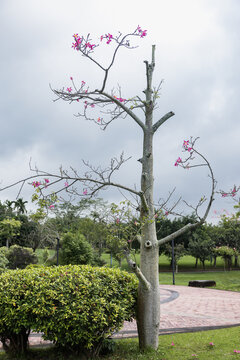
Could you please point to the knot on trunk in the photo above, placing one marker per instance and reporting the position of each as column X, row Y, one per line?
column 148, row 244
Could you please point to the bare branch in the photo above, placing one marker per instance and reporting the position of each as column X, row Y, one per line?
column 179, row 232
column 126, row 109
column 162, row 120
column 137, row 271
column 189, row 146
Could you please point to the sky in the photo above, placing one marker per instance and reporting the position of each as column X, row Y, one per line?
column 197, row 57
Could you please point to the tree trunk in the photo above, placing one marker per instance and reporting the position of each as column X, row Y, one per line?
column 196, row 263
column 148, row 311
column 236, row 261
column 215, row 261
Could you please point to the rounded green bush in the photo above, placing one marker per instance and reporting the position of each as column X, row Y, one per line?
column 19, row 257
column 74, row 306
column 75, row 250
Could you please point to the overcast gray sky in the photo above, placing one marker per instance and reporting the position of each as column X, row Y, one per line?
column 197, row 55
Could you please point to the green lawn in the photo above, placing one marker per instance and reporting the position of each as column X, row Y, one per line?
column 186, row 263
column 225, row 280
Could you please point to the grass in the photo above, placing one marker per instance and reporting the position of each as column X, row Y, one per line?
column 186, row 346
column 225, row 280
column 186, row 263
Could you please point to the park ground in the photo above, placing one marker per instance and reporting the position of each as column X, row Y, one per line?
column 212, row 344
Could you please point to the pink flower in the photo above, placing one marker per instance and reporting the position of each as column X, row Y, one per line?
column 120, row 99
column 69, row 89
column 66, row 184
column 166, row 213
column 90, row 46
column 237, row 351
column 92, row 105
column 51, row 206
column 178, row 161
column 36, row 183
column 172, row 344
column 234, row 191
column 85, row 192
column 83, row 83
column 71, row 78
column 99, row 119
column 77, row 42
column 109, row 37
column 141, row 32
column 46, row 181
column 211, row 344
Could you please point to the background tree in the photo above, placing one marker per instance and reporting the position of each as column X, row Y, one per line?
column 201, row 246
column 75, row 250
column 9, row 228
column 179, row 251
column 111, row 107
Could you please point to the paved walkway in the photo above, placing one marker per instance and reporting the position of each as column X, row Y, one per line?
column 185, row 309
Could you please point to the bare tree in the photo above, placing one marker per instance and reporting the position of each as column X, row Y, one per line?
column 111, row 107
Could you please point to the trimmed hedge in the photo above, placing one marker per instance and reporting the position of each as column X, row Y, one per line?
column 74, row 306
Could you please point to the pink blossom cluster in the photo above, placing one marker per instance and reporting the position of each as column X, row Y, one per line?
column 141, row 32
column 36, row 184
column 178, row 161
column 120, row 99
column 232, row 193
column 108, row 37
column 77, row 41
column 236, row 351
column 186, row 145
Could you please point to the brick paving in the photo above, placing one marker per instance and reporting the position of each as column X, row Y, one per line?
column 193, row 309
column 185, row 309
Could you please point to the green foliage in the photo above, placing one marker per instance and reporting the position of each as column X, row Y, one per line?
column 76, row 307
column 224, row 251
column 45, row 255
column 179, row 252
column 9, row 228
column 19, row 257
column 75, row 250
column 201, row 246
column 3, row 262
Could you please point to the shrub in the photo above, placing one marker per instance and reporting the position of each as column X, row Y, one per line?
column 19, row 257
column 75, row 250
column 45, row 255
column 76, row 307
column 3, row 263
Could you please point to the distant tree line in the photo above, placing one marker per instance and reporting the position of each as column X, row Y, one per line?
column 90, row 227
